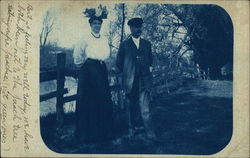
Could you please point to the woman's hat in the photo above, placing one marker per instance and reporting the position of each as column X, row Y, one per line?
column 136, row 22
column 98, row 13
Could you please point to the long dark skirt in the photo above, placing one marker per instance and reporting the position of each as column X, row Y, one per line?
column 94, row 108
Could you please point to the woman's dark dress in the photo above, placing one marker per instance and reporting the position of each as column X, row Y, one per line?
column 94, row 109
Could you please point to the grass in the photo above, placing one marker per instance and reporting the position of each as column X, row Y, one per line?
column 196, row 119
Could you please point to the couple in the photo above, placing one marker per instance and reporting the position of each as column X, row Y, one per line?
column 94, row 108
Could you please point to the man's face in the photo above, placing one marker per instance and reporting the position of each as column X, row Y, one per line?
column 96, row 26
column 135, row 31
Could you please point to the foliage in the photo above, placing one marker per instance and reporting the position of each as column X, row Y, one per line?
column 169, row 44
column 182, row 36
column 48, row 57
column 211, row 35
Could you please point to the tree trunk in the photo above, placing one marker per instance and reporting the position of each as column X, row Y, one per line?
column 123, row 21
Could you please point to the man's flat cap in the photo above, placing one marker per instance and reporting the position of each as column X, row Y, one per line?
column 136, row 22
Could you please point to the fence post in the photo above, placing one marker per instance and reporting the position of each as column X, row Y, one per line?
column 61, row 57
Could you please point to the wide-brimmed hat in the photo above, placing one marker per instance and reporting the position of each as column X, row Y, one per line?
column 136, row 22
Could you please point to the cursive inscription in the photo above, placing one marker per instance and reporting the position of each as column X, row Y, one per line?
column 15, row 89
column 3, row 123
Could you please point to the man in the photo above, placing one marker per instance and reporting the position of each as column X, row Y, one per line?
column 134, row 60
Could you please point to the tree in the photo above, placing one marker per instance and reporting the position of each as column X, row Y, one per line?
column 116, row 32
column 122, row 21
column 48, row 23
column 116, row 27
column 210, row 33
column 167, row 34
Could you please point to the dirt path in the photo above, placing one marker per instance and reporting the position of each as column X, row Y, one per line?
column 196, row 119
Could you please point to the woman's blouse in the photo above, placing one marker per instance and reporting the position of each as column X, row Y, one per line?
column 91, row 47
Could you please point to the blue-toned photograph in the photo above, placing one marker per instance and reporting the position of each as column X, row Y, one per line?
column 136, row 78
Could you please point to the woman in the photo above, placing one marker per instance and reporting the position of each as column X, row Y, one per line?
column 94, row 110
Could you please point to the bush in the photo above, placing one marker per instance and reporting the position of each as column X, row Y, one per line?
column 48, row 57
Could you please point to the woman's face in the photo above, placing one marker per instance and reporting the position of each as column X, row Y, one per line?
column 96, row 26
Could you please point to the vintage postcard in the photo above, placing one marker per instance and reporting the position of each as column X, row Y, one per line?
column 125, row 78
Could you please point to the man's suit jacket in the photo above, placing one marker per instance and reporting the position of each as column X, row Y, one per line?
column 126, row 62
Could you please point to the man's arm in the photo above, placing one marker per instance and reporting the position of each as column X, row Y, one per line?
column 120, row 57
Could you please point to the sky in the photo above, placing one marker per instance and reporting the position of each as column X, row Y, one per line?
column 70, row 25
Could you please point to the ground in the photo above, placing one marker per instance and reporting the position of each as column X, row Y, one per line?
column 195, row 119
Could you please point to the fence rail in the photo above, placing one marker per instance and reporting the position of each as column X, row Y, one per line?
column 162, row 84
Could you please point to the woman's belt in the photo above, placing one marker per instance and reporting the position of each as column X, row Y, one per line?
column 96, row 60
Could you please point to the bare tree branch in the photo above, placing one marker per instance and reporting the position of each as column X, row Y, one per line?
column 48, row 24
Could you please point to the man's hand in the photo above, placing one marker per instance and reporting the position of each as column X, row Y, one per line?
column 78, row 66
column 150, row 68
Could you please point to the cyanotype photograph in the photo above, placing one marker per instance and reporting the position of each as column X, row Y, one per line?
column 136, row 78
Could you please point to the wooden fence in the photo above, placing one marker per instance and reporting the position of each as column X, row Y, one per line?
column 59, row 74
column 164, row 85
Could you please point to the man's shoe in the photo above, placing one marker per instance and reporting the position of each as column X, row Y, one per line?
column 131, row 132
column 153, row 138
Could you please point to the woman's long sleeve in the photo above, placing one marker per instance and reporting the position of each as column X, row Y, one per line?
column 79, row 52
